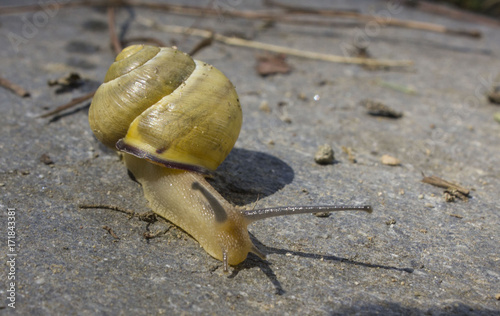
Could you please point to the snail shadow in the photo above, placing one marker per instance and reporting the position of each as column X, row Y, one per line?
column 247, row 175
column 254, row 261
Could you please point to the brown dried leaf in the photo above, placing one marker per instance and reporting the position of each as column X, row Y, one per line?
column 270, row 64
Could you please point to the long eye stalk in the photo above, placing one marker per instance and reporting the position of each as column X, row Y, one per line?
column 254, row 215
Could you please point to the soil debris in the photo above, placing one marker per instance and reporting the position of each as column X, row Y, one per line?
column 376, row 108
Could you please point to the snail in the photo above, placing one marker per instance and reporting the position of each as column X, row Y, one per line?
column 176, row 119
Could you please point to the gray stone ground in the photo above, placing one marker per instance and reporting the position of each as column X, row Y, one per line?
column 416, row 254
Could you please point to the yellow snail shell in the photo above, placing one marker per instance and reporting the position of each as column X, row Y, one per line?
column 160, row 104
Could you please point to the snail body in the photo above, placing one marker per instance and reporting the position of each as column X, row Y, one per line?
column 213, row 222
column 176, row 119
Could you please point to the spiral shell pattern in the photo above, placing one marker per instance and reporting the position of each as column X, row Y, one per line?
column 161, row 105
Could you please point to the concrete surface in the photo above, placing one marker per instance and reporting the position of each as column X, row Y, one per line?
column 416, row 254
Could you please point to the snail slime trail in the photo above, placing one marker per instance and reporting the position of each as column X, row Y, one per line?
column 176, row 119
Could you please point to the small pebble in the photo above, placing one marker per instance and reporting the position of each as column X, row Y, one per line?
column 324, row 155
column 390, row 161
column 264, row 107
column 429, row 205
column 379, row 109
column 421, row 196
column 45, row 158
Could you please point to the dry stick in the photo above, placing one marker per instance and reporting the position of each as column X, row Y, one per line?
column 192, row 11
column 275, row 48
column 454, row 13
column 110, row 231
column 205, row 42
column 14, row 88
column 149, row 217
column 115, row 42
column 432, row 27
column 252, row 44
column 279, row 16
column 436, row 181
column 68, row 105
column 109, row 207
column 259, row 15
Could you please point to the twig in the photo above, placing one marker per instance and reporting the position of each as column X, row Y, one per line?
column 202, row 44
column 436, row 181
column 274, row 48
column 115, row 42
column 280, row 17
column 14, row 88
column 111, row 232
column 451, row 12
column 259, row 15
column 68, row 105
column 109, row 207
column 149, row 217
column 432, row 27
